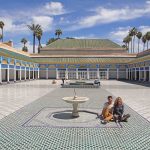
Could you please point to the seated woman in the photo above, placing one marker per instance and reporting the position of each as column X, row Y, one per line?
column 118, row 111
column 107, row 111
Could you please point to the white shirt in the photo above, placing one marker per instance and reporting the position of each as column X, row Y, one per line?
column 109, row 106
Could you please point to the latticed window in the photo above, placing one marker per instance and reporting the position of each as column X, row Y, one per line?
column 93, row 74
column 72, row 75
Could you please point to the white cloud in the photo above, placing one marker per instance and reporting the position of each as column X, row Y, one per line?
column 53, row 8
column 16, row 22
column 107, row 15
column 144, row 29
column 45, row 21
column 90, row 36
column 119, row 33
column 12, row 28
column 148, row 2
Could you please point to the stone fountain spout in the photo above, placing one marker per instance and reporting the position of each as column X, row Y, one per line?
column 75, row 100
column 75, row 94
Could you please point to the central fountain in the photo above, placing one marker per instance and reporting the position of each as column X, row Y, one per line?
column 75, row 101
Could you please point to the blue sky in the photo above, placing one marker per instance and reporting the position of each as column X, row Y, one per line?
column 110, row 19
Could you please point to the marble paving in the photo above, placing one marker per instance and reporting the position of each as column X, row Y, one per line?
column 16, row 96
column 18, row 130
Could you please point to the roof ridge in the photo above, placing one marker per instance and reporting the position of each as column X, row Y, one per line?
column 82, row 44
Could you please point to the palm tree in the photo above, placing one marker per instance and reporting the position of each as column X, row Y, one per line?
column 125, row 41
column 24, row 41
column 134, row 32
column 147, row 38
column 128, row 40
column 34, row 28
column 139, row 36
column 38, row 35
column 144, row 41
column 1, row 36
column 131, row 35
column 2, row 27
column 51, row 41
column 124, row 46
column 58, row 32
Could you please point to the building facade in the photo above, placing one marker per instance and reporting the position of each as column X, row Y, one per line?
column 74, row 59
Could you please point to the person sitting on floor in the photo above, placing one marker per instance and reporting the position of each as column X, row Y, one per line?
column 97, row 81
column 63, row 81
column 118, row 111
column 107, row 111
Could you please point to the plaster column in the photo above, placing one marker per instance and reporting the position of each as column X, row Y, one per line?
column 20, row 73
column 117, row 73
column 98, row 73
column 144, row 74
column 131, row 74
column 88, row 75
column 126, row 73
column 38, row 73
column 14, row 73
column 29, row 73
column 46, row 73
column 66, row 73
column 149, row 73
column 139, row 74
column 107, row 73
column 57, row 75
column 135, row 74
column 33, row 73
column 77, row 77
column 25, row 74
column 8, row 74
column 0, row 73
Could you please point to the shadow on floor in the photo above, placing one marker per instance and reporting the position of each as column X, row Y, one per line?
column 142, row 83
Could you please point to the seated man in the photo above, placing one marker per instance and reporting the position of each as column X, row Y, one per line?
column 63, row 81
column 107, row 110
column 97, row 81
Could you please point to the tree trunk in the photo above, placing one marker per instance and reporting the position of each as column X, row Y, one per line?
column 33, row 43
column 2, row 36
column 133, row 42
column 128, row 47
column 39, row 46
column 131, row 45
column 138, row 44
column 147, row 44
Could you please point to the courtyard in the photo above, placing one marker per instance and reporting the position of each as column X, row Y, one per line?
column 34, row 116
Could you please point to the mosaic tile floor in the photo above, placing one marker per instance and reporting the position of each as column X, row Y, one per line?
column 134, row 135
column 62, row 118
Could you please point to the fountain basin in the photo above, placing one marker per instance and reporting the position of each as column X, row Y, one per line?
column 75, row 101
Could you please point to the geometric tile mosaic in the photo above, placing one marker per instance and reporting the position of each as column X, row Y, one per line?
column 61, row 117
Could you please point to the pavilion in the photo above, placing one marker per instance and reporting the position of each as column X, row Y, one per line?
column 74, row 59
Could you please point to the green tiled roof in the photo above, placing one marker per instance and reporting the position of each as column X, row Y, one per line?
column 82, row 43
column 11, row 54
column 140, row 59
column 82, row 60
